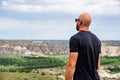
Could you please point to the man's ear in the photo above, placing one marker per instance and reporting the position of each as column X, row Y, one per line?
column 81, row 23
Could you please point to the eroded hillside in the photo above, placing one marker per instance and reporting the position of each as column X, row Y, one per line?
column 50, row 47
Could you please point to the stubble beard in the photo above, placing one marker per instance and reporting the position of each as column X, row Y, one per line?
column 77, row 27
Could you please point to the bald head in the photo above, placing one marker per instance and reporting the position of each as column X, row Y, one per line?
column 85, row 18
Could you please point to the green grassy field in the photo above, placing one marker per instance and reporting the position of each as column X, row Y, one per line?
column 21, row 68
column 111, row 63
column 26, row 64
column 25, row 76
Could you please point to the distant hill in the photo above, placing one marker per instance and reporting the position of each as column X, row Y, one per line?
column 50, row 47
column 61, row 42
column 111, row 42
column 33, row 47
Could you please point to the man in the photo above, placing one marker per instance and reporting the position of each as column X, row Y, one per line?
column 84, row 57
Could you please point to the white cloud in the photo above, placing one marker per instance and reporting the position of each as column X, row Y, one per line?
column 107, row 7
column 26, row 24
column 52, row 29
column 35, row 29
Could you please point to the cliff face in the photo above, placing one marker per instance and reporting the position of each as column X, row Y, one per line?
column 110, row 51
column 110, row 48
column 17, row 47
column 50, row 47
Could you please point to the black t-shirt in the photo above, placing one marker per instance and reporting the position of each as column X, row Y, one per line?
column 88, row 47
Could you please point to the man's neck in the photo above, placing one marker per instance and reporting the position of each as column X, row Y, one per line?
column 84, row 29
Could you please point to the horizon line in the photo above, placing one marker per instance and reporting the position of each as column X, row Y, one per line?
column 50, row 39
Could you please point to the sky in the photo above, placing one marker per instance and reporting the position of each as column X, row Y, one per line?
column 55, row 19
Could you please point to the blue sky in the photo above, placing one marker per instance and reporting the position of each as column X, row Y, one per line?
column 54, row 19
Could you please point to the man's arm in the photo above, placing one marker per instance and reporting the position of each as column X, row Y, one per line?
column 98, row 63
column 70, row 68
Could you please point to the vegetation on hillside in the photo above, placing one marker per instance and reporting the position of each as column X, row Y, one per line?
column 26, row 64
column 24, row 68
column 111, row 63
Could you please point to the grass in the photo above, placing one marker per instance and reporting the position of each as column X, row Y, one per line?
column 25, row 76
column 111, row 63
column 20, row 68
column 24, row 68
column 26, row 64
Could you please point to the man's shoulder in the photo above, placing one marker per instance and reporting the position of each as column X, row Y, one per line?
column 94, row 35
column 75, row 35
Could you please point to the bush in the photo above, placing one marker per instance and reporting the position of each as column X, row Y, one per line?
column 115, row 69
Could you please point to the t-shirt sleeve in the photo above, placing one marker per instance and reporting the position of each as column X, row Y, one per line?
column 73, row 45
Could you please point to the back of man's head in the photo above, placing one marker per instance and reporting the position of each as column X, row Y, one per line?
column 85, row 18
